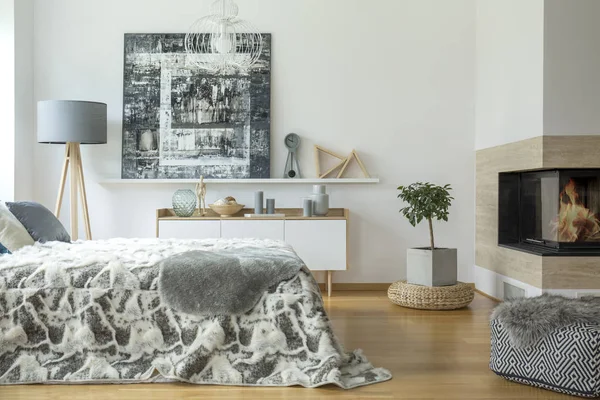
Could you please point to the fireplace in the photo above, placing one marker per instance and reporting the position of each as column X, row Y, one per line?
column 550, row 212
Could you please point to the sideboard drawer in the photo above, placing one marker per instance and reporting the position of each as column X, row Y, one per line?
column 259, row 229
column 191, row 229
column 320, row 244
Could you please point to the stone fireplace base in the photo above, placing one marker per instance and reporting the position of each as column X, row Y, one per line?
column 537, row 274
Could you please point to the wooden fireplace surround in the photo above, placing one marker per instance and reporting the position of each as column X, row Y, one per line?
column 544, row 152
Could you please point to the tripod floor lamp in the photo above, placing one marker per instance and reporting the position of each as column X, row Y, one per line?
column 72, row 123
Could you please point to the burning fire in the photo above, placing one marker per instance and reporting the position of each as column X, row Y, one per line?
column 575, row 223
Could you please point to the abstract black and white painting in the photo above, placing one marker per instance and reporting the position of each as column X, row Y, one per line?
column 180, row 122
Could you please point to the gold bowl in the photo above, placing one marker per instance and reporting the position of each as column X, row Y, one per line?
column 226, row 210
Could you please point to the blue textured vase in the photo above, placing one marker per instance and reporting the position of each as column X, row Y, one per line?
column 184, row 202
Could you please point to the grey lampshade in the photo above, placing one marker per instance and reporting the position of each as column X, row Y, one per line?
column 62, row 121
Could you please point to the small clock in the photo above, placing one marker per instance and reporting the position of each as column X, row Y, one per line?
column 292, row 168
column 292, row 141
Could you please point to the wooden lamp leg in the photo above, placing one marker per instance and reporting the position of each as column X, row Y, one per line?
column 63, row 179
column 83, row 195
column 74, row 162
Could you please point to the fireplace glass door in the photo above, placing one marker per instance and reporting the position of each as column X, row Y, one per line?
column 539, row 200
column 554, row 209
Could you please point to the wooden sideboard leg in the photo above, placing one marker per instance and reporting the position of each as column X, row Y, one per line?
column 329, row 274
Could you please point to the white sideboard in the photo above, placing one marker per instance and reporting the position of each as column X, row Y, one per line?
column 261, row 229
column 321, row 242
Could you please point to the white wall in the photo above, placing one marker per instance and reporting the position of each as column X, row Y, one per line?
column 509, row 99
column 510, row 66
column 23, row 97
column 537, row 69
column 7, row 100
column 571, row 67
column 16, row 99
column 393, row 79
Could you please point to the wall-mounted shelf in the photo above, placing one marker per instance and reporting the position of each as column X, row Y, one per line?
column 236, row 181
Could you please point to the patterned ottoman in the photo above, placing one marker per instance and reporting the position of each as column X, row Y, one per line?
column 567, row 360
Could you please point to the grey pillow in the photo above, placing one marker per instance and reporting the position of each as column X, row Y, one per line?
column 40, row 223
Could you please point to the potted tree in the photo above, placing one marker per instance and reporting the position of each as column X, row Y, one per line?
column 428, row 266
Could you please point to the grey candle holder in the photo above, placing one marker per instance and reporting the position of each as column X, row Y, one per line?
column 307, row 208
column 258, row 202
column 270, row 206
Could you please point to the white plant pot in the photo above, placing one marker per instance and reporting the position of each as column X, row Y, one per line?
column 431, row 267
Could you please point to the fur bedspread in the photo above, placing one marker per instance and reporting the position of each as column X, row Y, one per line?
column 224, row 282
column 91, row 312
column 527, row 320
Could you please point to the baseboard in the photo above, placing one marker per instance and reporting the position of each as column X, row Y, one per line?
column 487, row 295
column 375, row 287
column 358, row 287
column 492, row 284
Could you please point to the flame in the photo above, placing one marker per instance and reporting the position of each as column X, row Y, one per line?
column 575, row 223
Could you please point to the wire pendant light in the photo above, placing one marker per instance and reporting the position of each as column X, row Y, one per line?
column 221, row 43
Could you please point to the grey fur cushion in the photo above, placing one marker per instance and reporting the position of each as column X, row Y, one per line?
column 527, row 320
column 40, row 223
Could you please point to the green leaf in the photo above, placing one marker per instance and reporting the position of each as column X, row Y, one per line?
column 425, row 201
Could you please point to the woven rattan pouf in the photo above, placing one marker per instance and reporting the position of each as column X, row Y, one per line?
column 431, row 298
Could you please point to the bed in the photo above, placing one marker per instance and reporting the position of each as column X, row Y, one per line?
column 94, row 312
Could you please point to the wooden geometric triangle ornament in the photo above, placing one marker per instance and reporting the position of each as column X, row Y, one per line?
column 342, row 159
column 354, row 155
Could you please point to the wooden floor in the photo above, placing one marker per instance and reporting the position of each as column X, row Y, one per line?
column 432, row 355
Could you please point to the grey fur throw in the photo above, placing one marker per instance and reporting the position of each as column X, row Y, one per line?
column 527, row 320
column 226, row 282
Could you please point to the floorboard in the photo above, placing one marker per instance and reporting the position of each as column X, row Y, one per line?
column 432, row 355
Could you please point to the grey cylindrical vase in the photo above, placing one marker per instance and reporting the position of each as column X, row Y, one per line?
column 270, row 206
column 319, row 189
column 307, row 208
column 258, row 202
column 320, row 200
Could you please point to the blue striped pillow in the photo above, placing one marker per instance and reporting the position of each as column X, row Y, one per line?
column 3, row 250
